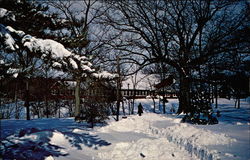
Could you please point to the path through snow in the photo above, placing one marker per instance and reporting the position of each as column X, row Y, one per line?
column 162, row 148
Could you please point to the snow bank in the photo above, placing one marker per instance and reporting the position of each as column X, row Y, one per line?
column 192, row 139
column 133, row 123
column 148, row 149
column 126, row 125
column 177, row 132
column 196, row 136
column 195, row 141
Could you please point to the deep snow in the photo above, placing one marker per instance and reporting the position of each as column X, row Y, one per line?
column 152, row 136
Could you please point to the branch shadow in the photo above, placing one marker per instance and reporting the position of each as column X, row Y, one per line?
column 30, row 146
column 35, row 144
column 92, row 141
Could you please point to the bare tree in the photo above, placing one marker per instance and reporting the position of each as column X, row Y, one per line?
column 182, row 34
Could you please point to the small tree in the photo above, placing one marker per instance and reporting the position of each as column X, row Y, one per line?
column 98, row 97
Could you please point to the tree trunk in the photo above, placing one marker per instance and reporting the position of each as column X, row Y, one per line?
column 133, row 106
column 133, row 102
column 184, row 96
column 238, row 96
column 118, row 99
column 16, row 103
column 118, row 90
column 27, row 103
column 46, row 107
column 154, row 103
column 38, row 109
column 237, row 100
column 118, row 104
column 59, row 109
column 238, row 104
column 164, row 104
column 216, row 96
column 77, row 98
column 129, row 108
column 123, row 108
column 159, row 104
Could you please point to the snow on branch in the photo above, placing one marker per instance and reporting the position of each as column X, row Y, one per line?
column 7, row 39
column 104, row 75
column 57, row 54
column 13, row 71
column 7, row 15
column 51, row 52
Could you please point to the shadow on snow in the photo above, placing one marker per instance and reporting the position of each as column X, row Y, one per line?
column 42, row 141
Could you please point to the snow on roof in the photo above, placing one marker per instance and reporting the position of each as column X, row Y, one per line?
column 165, row 83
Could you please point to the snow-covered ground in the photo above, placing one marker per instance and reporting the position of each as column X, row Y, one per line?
column 152, row 136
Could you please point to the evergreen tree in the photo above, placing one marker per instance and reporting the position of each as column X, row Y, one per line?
column 24, row 17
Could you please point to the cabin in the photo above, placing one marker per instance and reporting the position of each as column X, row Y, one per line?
column 41, row 88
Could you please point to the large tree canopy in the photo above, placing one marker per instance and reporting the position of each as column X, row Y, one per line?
column 185, row 35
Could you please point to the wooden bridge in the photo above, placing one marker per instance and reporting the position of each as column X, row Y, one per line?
column 140, row 93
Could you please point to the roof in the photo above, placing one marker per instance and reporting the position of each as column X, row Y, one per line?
column 165, row 83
